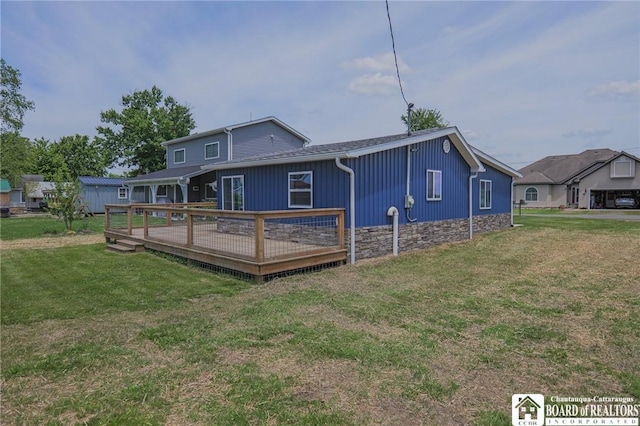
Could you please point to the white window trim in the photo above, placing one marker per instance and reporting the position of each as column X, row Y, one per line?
column 629, row 172
column 123, row 195
column 310, row 191
column 439, row 196
column 184, row 156
column 537, row 194
column 205, row 150
column 485, row 181
column 223, row 200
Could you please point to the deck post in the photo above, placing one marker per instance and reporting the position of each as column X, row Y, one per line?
column 107, row 217
column 189, row 229
column 145, row 223
column 130, row 220
column 340, row 225
column 259, row 237
column 168, row 213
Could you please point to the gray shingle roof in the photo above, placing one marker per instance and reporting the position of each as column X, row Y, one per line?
column 558, row 169
column 330, row 148
column 172, row 173
column 100, row 181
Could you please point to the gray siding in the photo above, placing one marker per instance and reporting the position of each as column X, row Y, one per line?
column 97, row 197
column 194, row 151
column 256, row 139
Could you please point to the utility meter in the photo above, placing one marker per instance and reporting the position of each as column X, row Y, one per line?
column 408, row 201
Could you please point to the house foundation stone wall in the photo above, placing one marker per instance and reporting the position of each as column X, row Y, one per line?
column 377, row 241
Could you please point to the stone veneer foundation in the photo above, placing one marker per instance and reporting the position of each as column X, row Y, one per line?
column 376, row 241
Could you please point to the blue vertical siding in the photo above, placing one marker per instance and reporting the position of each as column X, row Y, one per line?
column 500, row 192
column 381, row 183
column 97, row 196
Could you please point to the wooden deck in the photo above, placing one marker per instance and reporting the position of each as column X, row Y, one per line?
column 255, row 243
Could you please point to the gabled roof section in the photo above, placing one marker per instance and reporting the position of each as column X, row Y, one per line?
column 599, row 165
column 354, row 149
column 557, row 169
column 237, row 126
column 100, row 181
column 496, row 164
column 167, row 175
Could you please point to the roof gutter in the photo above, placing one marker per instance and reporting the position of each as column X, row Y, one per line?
column 352, row 207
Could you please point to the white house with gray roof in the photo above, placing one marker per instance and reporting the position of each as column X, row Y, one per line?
column 593, row 179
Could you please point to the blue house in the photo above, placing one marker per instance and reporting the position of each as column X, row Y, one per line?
column 400, row 192
column 186, row 180
column 98, row 191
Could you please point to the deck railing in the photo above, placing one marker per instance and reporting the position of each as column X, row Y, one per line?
column 252, row 236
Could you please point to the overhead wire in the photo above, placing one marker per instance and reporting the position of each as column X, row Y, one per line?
column 395, row 57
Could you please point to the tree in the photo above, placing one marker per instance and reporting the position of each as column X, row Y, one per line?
column 14, row 149
column 423, row 118
column 66, row 200
column 14, row 104
column 146, row 120
column 77, row 153
column 14, row 157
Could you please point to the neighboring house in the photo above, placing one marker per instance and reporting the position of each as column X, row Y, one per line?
column 185, row 179
column 98, row 191
column 441, row 188
column 592, row 179
column 36, row 193
column 5, row 197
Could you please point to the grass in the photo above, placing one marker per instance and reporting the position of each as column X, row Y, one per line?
column 444, row 336
column 569, row 212
column 13, row 228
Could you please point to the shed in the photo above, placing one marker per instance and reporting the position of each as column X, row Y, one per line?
column 98, row 191
column 5, row 196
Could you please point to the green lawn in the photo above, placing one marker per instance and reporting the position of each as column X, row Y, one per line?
column 569, row 212
column 41, row 225
column 96, row 337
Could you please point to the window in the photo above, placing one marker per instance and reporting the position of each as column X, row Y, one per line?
column 623, row 168
column 531, row 194
column 233, row 192
column 161, row 191
column 123, row 193
column 301, row 189
column 434, row 185
column 178, row 156
column 212, row 150
column 575, row 194
column 485, row 194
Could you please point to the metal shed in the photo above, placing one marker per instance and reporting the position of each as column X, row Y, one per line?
column 98, row 191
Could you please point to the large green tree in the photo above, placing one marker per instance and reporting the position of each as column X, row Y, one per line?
column 134, row 135
column 79, row 155
column 14, row 149
column 14, row 104
column 423, row 118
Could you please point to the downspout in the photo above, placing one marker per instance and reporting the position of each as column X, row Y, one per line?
column 471, row 177
column 408, row 199
column 229, row 144
column 352, row 208
column 393, row 211
column 513, row 184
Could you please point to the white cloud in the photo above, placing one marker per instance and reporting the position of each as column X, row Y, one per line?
column 616, row 91
column 383, row 62
column 374, row 84
column 588, row 133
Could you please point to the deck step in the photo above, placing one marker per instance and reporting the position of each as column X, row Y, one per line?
column 134, row 245
column 121, row 249
column 126, row 246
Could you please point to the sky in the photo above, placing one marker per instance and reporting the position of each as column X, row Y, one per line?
column 520, row 80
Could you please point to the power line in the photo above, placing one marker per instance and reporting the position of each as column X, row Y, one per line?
column 393, row 44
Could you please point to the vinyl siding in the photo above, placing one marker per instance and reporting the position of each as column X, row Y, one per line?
column 194, row 151
column 97, row 196
column 256, row 139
